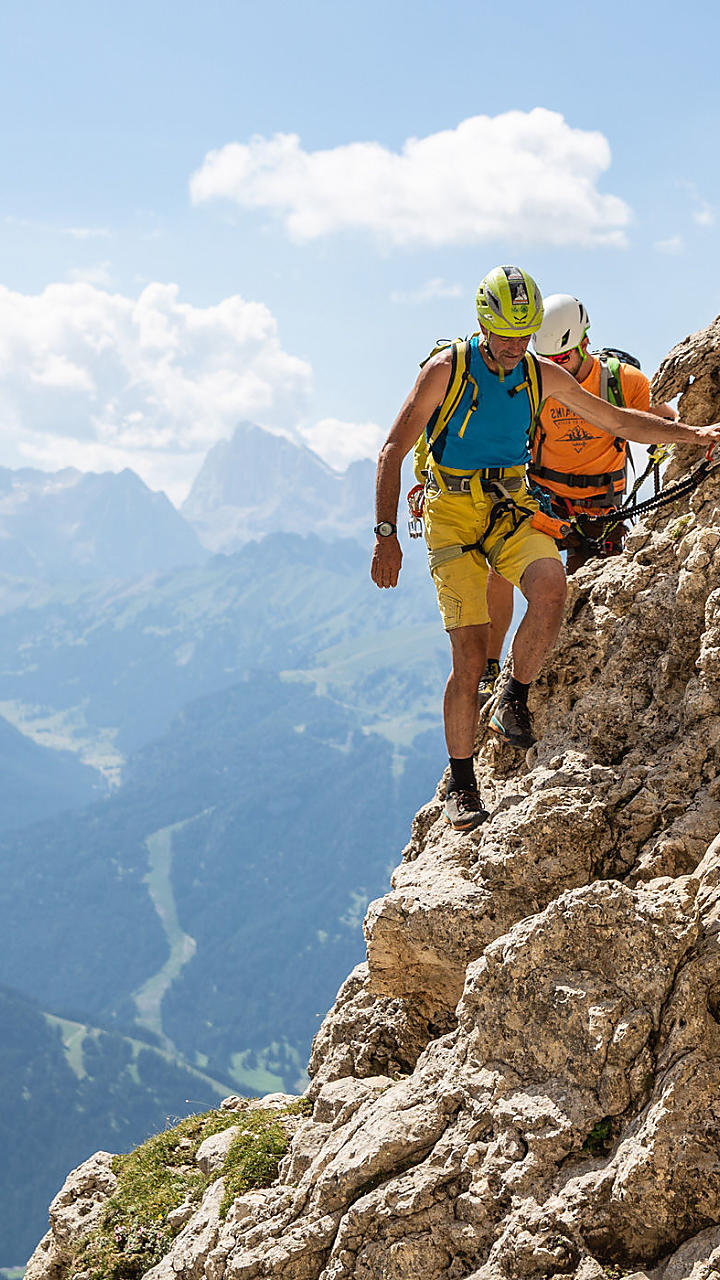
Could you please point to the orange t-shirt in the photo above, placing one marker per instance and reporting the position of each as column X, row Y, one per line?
column 568, row 445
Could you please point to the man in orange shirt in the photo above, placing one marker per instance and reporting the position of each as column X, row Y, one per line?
column 581, row 469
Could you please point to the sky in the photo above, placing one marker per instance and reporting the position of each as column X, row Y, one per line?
column 215, row 211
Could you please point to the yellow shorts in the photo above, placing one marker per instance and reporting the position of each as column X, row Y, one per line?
column 459, row 518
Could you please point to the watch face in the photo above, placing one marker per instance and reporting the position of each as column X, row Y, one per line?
column 385, row 529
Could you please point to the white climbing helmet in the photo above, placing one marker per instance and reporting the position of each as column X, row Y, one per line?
column 564, row 325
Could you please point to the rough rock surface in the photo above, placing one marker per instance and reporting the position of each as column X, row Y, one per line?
column 524, row 1079
column 73, row 1212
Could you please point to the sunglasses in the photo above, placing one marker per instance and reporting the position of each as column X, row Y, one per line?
column 563, row 357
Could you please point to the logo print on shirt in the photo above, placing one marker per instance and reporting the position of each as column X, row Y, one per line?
column 576, row 437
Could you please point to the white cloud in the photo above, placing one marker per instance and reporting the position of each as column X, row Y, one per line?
column 704, row 214
column 99, row 273
column 103, row 381
column 523, row 176
column 432, row 289
column 673, row 245
column 87, row 233
column 340, row 443
column 76, row 233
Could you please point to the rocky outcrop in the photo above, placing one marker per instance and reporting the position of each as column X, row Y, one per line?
column 524, row 1079
column 74, row 1211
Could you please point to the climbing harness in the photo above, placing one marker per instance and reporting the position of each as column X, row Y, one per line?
column 505, row 506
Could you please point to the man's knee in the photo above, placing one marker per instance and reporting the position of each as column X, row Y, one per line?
column 544, row 582
column 469, row 651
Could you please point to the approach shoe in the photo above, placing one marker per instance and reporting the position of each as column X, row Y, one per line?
column 488, row 681
column 511, row 720
column 463, row 810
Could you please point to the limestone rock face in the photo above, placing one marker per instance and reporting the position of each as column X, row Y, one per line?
column 524, row 1079
column 75, row 1209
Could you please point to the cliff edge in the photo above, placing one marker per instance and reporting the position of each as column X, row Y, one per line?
column 524, row 1078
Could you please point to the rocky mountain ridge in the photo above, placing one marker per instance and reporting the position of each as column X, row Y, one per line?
column 257, row 483
column 523, row 1080
column 74, row 526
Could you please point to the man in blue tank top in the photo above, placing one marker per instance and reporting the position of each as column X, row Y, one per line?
column 474, row 490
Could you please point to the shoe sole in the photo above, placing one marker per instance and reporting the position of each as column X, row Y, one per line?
column 513, row 742
column 467, row 826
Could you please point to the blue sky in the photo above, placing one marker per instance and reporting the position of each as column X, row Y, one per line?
column 217, row 211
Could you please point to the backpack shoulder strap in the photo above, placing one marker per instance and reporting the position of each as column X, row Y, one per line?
column 533, row 386
column 534, row 378
column 610, row 380
column 459, row 371
column 612, row 391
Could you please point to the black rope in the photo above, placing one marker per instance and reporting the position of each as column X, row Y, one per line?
column 631, row 511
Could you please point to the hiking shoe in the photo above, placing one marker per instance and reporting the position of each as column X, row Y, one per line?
column 463, row 810
column 486, row 687
column 511, row 719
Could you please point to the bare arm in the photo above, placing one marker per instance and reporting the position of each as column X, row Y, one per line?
column 629, row 424
column 428, row 392
column 665, row 411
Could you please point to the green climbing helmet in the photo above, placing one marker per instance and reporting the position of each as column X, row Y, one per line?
column 509, row 303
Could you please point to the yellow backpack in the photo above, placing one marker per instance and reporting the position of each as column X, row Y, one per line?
column 460, row 377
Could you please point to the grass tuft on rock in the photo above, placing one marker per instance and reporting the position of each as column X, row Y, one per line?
column 253, row 1158
column 161, row 1175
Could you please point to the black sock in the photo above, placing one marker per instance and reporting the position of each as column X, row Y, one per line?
column 462, row 775
column 516, row 689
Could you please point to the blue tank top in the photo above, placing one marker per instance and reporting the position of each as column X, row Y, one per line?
column 496, row 433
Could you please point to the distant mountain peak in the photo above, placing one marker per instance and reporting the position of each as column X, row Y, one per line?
column 260, row 482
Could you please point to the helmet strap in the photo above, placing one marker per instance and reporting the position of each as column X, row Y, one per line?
column 496, row 362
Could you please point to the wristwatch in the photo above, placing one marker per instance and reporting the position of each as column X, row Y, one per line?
column 384, row 529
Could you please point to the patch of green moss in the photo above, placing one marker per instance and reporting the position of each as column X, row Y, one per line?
column 680, row 526
column 599, row 1139
column 133, row 1233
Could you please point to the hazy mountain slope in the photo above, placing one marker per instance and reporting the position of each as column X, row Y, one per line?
column 258, row 483
column 289, row 811
column 65, row 1090
column 72, row 894
column 37, row 782
column 126, row 656
column 69, row 525
column 272, row 881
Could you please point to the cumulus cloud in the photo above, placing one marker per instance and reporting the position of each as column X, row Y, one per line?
column 673, row 245
column 96, row 273
column 103, row 381
column 525, row 176
column 341, row 443
column 428, row 292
